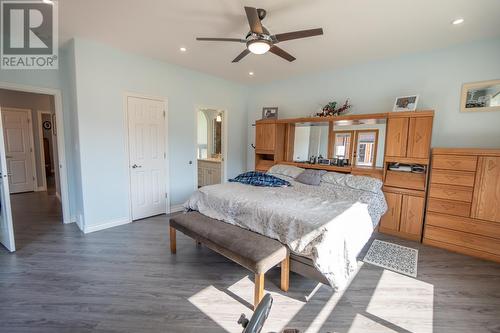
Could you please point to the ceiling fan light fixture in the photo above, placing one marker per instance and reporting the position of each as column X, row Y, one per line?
column 258, row 46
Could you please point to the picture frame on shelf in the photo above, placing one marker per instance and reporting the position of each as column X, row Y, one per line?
column 270, row 112
column 405, row 103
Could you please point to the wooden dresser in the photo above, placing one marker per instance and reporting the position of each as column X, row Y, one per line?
column 408, row 141
column 463, row 205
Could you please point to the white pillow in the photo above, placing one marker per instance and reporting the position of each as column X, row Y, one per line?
column 286, row 170
column 335, row 178
column 363, row 183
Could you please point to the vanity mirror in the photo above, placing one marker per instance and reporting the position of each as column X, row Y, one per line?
column 359, row 143
column 311, row 141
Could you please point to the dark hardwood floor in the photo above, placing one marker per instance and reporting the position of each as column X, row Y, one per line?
column 125, row 280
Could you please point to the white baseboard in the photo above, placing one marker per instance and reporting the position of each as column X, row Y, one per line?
column 106, row 225
column 176, row 208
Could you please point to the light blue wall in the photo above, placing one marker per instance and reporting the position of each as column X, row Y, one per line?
column 436, row 76
column 93, row 79
column 103, row 75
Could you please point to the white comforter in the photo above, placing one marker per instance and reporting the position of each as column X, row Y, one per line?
column 328, row 223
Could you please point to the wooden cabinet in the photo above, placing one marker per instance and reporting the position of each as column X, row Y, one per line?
column 397, row 136
column 269, row 144
column 408, row 141
column 409, row 136
column 419, row 137
column 412, row 216
column 209, row 172
column 463, row 206
column 265, row 137
column 390, row 221
column 404, row 216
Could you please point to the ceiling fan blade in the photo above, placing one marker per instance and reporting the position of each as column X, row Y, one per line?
column 239, row 40
column 241, row 55
column 254, row 20
column 282, row 53
column 298, row 34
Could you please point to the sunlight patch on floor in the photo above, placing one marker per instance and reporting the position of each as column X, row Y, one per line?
column 324, row 314
column 393, row 300
column 220, row 307
column 224, row 307
column 362, row 323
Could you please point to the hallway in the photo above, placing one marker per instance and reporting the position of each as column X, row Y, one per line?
column 37, row 216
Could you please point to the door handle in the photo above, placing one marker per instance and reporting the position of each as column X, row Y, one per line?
column 8, row 156
column 135, row 166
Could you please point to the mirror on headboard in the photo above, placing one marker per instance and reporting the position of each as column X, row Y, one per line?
column 362, row 142
column 311, row 140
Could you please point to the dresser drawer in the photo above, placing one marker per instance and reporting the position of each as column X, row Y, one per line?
column 451, row 192
column 448, row 207
column 483, row 228
column 450, row 177
column 462, row 239
column 454, row 162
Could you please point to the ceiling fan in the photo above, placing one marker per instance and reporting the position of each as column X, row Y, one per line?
column 259, row 40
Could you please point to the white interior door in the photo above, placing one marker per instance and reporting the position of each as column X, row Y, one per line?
column 18, row 149
column 147, row 162
column 6, row 227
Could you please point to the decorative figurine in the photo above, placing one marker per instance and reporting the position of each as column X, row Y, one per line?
column 330, row 110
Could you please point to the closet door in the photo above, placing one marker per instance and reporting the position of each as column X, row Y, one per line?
column 419, row 137
column 397, row 137
column 390, row 221
column 486, row 200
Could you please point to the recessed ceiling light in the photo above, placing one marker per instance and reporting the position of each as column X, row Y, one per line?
column 457, row 21
column 250, row 73
column 183, row 49
column 50, row 2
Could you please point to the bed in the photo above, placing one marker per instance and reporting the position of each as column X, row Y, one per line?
column 325, row 227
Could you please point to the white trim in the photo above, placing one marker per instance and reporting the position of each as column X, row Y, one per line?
column 58, row 196
column 224, row 144
column 31, row 140
column 106, row 225
column 41, row 148
column 63, row 174
column 176, row 208
column 164, row 100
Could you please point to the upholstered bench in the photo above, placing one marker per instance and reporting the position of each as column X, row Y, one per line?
column 253, row 251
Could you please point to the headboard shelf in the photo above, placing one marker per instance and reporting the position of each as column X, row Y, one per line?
column 355, row 170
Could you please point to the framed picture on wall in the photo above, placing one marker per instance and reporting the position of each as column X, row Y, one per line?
column 406, row 103
column 480, row 96
column 269, row 113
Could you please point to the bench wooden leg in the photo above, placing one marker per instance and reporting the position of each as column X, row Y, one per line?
column 173, row 242
column 285, row 274
column 259, row 290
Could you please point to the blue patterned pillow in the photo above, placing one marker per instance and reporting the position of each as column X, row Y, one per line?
column 256, row 178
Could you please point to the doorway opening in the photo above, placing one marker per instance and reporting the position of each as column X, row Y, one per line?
column 33, row 182
column 210, row 146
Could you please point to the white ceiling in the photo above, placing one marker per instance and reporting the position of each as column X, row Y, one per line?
column 355, row 31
